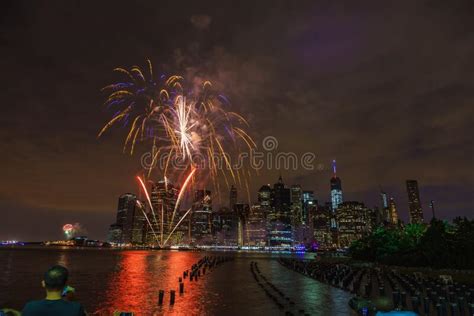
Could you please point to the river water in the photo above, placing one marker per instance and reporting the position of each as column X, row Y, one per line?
column 113, row 280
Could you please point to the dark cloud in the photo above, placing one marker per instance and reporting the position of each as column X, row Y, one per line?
column 384, row 87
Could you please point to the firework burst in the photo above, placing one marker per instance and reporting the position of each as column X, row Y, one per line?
column 138, row 101
column 192, row 126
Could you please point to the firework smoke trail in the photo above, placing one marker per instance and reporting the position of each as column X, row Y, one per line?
column 181, row 192
column 179, row 222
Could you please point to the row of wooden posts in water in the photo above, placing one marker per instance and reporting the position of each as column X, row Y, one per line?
column 416, row 292
column 198, row 270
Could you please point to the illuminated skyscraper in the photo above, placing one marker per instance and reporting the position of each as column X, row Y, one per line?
column 308, row 203
column 121, row 231
column 280, row 232
column 123, row 206
column 256, row 230
column 232, row 197
column 414, row 204
column 115, row 234
column 321, row 218
column 134, row 229
column 385, row 212
column 163, row 199
column 242, row 211
column 354, row 222
column 225, row 227
column 130, row 224
column 296, row 205
column 384, row 199
column 281, row 198
column 201, row 222
column 336, row 193
column 392, row 211
column 336, row 189
column 265, row 196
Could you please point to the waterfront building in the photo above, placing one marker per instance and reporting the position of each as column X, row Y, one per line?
column 265, row 196
column 201, row 217
column 308, row 203
column 129, row 224
column 242, row 211
column 414, row 203
column 353, row 221
column 232, row 197
column 296, row 200
column 80, row 241
column 280, row 234
column 256, row 230
column 182, row 232
column 124, row 202
column 115, row 234
column 163, row 200
column 133, row 230
column 304, row 235
column 321, row 222
column 281, row 198
column 225, row 227
column 392, row 211
column 279, row 219
column 301, row 204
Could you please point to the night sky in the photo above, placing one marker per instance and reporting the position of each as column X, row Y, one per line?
column 385, row 87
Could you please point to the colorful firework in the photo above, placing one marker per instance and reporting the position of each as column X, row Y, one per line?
column 68, row 230
column 72, row 230
column 138, row 101
column 188, row 126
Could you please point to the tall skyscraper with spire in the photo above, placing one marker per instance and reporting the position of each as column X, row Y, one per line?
column 336, row 189
column 384, row 198
column 414, row 203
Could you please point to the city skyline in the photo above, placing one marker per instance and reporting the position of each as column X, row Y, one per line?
column 402, row 212
column 284, row 215
column 388, row 108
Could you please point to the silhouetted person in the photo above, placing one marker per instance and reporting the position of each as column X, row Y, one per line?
column 54, row 283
